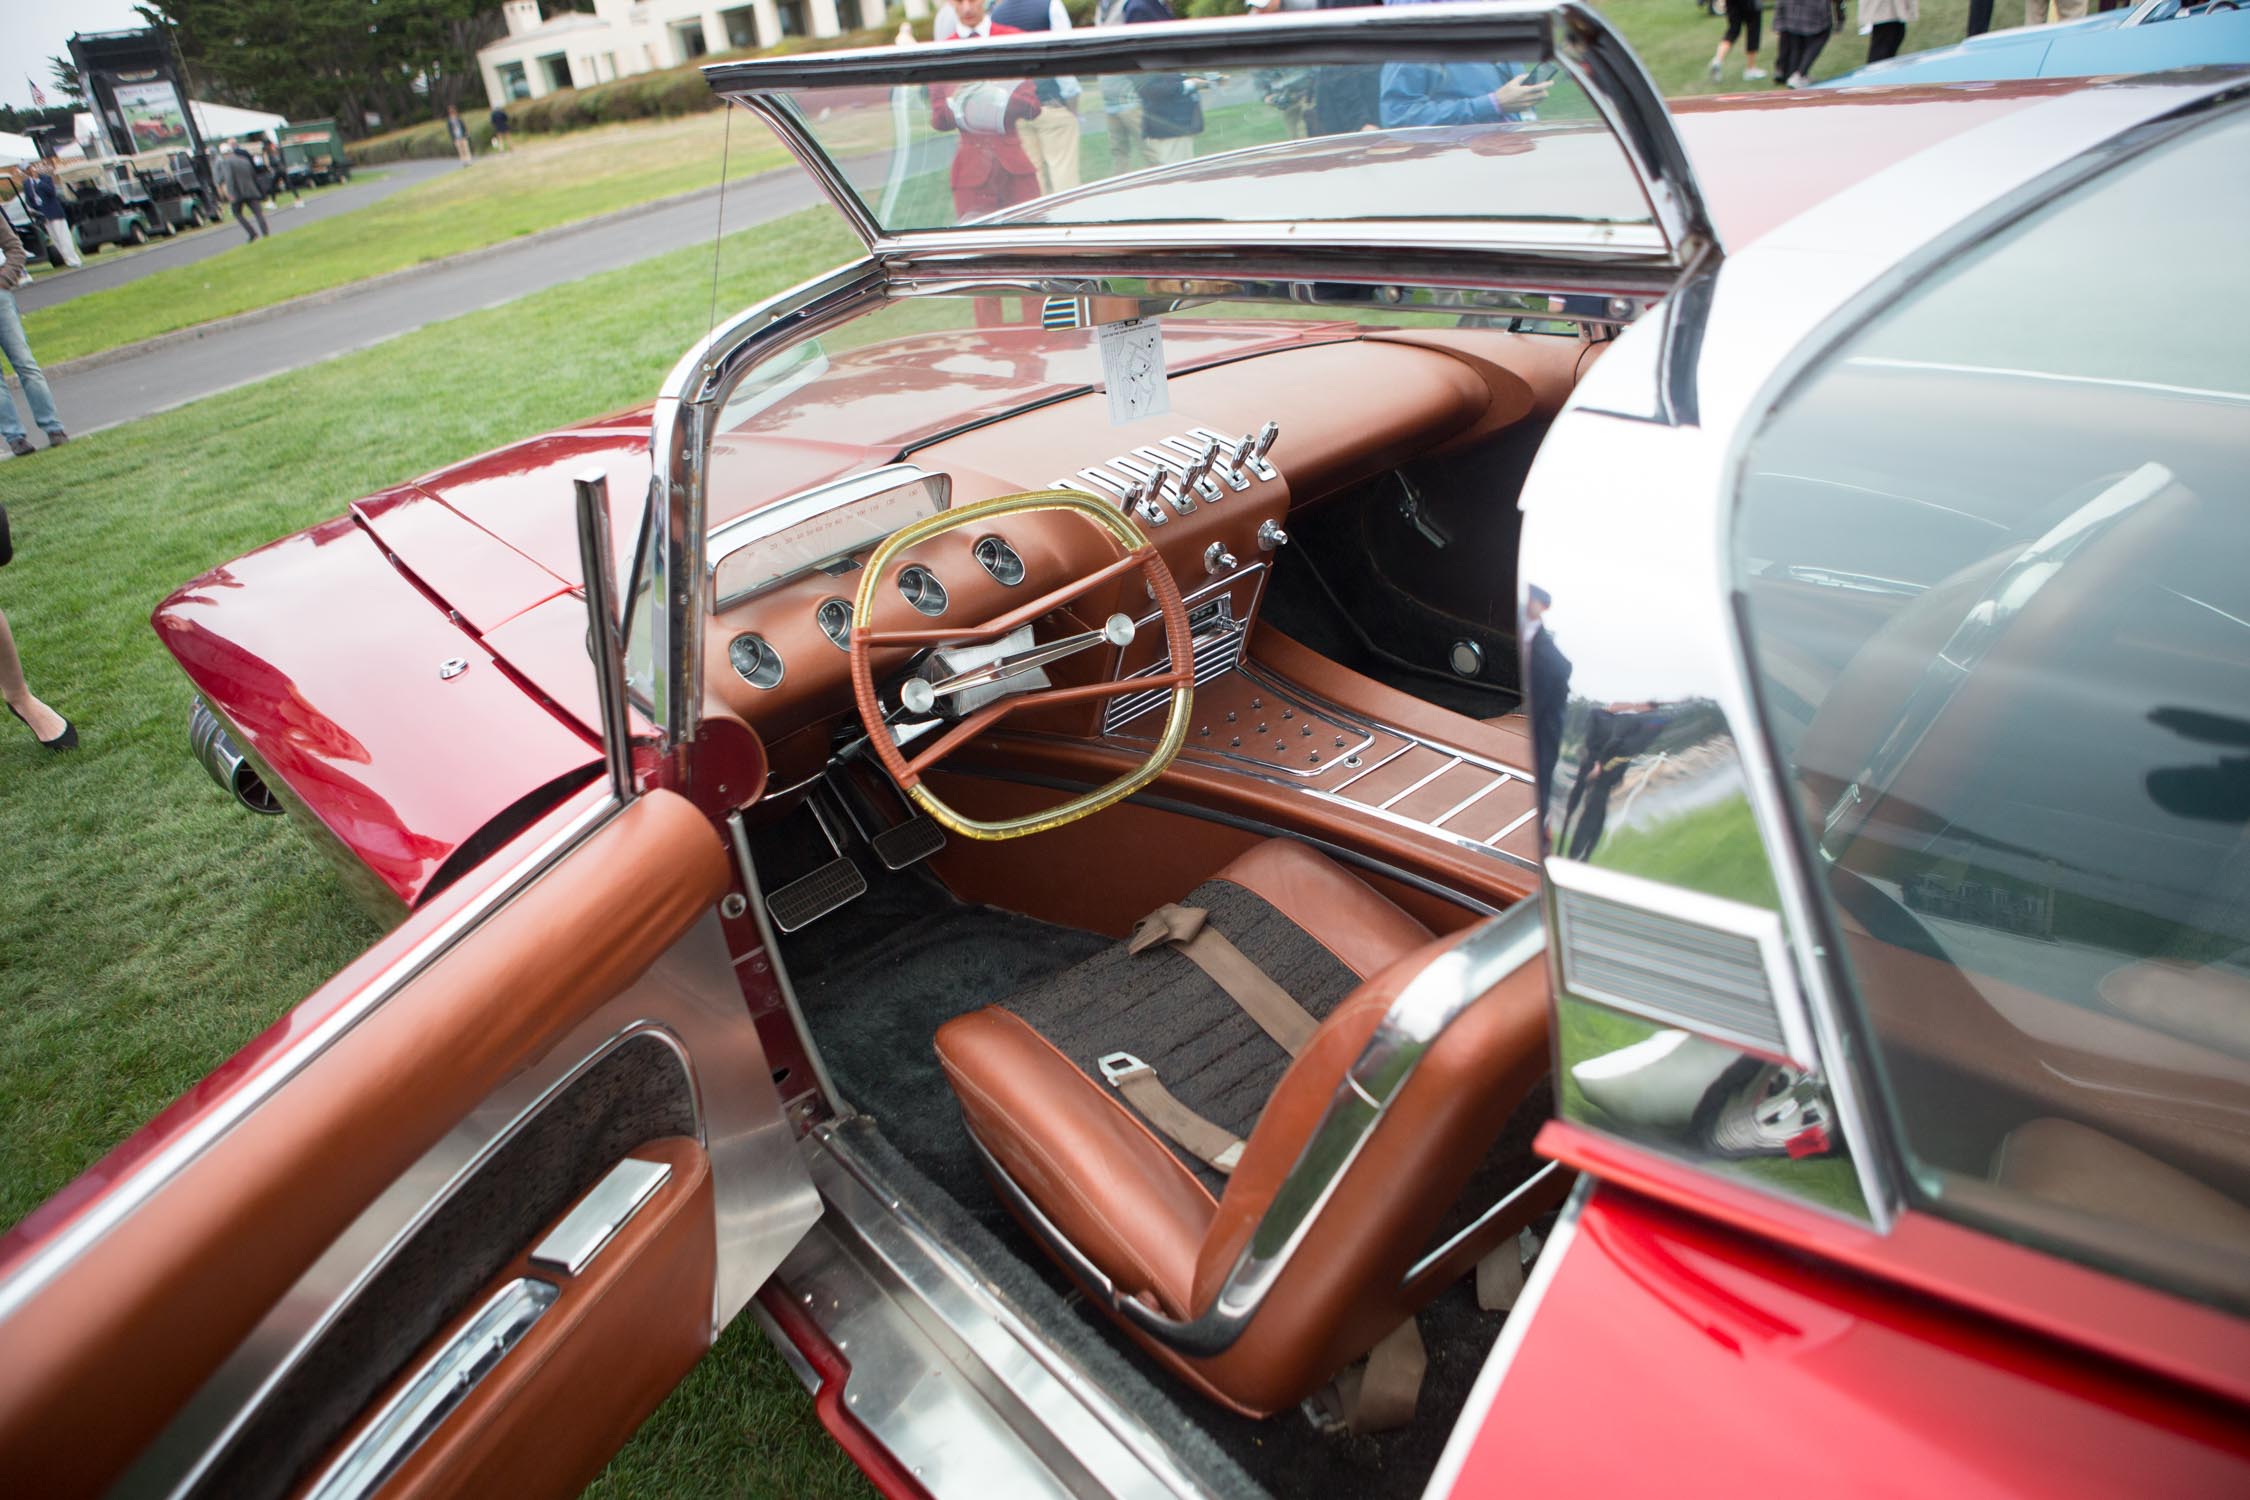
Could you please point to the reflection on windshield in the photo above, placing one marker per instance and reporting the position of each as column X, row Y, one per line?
column 1385, row 140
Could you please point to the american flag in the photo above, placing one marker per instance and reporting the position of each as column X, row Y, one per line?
column 38, row 99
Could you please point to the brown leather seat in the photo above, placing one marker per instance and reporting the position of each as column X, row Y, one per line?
column 1167, row 1230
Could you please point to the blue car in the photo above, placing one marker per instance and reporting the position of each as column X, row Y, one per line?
column 2146, row 38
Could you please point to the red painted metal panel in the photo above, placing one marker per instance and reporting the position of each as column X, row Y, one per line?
column 327, row 661
column 1671, row 1353
column 479, row 577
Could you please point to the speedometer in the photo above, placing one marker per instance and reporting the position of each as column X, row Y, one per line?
column 793, row 536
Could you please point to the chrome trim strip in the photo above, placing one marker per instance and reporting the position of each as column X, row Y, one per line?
column 1446, row 986
column 1365, row 771
column 1266, row 677
column 1405, row 792
column 36, row 1270
column 1470, row 801
column 597, row 568
column 1515, row 823
column 608, row 1207
column 1463, row 1236
column 1476, row 1412
column 440, row 1386
column 738, row 839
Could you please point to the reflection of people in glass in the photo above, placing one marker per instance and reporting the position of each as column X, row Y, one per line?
column 1050, row 137
column 1615, row 737
column 1121, row 100
column 1462, row 93
column 990, row 168
column 1547, row 678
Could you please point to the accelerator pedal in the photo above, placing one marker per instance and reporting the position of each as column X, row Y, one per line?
column 909, row 843
column 803, row 902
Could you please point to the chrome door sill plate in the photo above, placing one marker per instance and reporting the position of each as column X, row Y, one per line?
column 1252, row 723
column 943, row 1374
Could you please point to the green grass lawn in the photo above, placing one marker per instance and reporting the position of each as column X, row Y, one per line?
column 148, row 927
column 538, row 185
column 1675, row 39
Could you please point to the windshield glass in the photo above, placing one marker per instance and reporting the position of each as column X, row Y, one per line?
column 1993, row 555
column 1403, row 140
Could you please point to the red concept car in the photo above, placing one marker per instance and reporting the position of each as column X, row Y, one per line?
column 1363, row 774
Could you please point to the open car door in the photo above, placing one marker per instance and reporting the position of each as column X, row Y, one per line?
column 455, row 1224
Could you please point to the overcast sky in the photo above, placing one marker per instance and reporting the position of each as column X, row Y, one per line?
column 31, row 31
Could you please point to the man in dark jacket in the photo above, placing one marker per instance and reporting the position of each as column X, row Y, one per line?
column 238, row 184
column 1171, row 114
column 36, row 395
column 45, row 200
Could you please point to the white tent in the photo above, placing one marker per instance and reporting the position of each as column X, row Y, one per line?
column 16, row 149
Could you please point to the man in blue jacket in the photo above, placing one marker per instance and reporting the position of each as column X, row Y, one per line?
column 1462, row 93
column 45, row 200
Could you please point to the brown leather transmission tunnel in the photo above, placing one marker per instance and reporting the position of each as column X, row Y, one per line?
column 1271, row 1127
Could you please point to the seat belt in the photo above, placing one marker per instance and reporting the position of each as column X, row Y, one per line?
column 1188, row 930
column 1214, row 1145
column 1378, row 1393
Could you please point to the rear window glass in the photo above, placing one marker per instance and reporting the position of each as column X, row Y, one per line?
column 1995, row 551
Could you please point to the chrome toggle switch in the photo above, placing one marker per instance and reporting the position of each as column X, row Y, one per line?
column 1260, row 446
column 1217, row 559
column 1271, row 537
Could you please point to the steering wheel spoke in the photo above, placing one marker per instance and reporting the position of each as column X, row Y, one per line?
column 1136, row 556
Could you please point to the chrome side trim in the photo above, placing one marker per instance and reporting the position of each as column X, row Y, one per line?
column 738, row 840
column 1431, row 1000
column 1476, row 1412
column 36, row 1270
column 1507, row 1201
column 436, row 1389
column 572, row 1244
column 761, row 1197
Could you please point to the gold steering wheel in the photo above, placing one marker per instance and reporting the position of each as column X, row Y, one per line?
column 1137, row 555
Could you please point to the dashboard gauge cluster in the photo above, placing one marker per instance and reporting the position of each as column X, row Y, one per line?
column 999, row 559
column 834, row 616
column 922, row 589
column 755, row 660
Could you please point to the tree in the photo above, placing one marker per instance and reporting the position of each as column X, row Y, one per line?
column 66, row 81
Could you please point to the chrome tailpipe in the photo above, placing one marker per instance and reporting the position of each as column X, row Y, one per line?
column 216, row 751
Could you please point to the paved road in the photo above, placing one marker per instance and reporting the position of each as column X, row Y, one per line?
column 175, row 375
column 109, row 268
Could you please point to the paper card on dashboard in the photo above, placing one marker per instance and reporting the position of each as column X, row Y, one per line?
column 1133, row 369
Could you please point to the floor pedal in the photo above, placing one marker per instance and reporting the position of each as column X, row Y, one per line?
column 803, row 902
column 909, row 843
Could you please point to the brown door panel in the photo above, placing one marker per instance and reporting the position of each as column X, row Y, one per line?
column 113, row 1342
column 618, row 1336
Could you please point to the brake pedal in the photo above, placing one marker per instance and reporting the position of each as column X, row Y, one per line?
column 803, row 902
column 909, row 843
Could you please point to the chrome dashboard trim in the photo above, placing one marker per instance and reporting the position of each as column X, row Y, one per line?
column 1445, row 987
column 730, row 537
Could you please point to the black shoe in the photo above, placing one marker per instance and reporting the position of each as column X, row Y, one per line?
column 57, row 438
column 67, row 740
column 20, row 447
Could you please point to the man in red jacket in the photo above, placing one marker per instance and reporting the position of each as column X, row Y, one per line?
column 990, row 167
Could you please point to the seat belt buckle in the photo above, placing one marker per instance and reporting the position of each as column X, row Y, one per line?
column 1118, row 1066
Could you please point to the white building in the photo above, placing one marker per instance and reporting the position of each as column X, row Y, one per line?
column 572, row 49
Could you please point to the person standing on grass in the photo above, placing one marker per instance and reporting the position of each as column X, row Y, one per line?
column 458, row 128
column 36, row 394
column 1742, row 15
column 1050, row 137
column 1885, row 23
column 499, row 130
column 991, row 170
column 277, row 171
column 45, row 200
column 49, row 728
column 238, row 185
column 1803, row 26
column 1121, row 103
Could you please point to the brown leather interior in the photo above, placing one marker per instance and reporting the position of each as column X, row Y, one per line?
column 620, row 1335
column 1123, row 1199
column 106, row 1352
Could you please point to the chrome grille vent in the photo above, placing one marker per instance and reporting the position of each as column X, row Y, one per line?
column 1668, row 968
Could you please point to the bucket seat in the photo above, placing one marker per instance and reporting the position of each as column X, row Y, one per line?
column 1259, row 1212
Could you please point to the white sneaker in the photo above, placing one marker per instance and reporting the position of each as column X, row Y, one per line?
column 1752, row 75
column 1800, row 81
column 1716, row 63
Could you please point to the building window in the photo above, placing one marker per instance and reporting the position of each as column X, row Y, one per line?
column 513, row 83
column 792, row 14
column 687, row 40
column 742, row 27
column 558, row 70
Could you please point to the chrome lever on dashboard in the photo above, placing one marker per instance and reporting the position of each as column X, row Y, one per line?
column 1251, row 449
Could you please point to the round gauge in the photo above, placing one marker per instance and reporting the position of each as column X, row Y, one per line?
column 759, row 663
column 922, row 589
column 1000, row 560
column 835, row 619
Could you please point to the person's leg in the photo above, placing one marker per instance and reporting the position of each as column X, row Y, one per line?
column 58, row 230
column 2070, row 10
column 1058, row 140
column 1726, row 43
column 36, row 393
column 1980, row 17
column 44, row 721
column 1751, row 22
column 2034, row 12
column 259, row 209
column 1808, row 55
column 242, row 219
column 1166, row 150
column 1883, row 43
column 1786, row 46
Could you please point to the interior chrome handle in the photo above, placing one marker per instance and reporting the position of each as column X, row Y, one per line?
column 920, row 695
